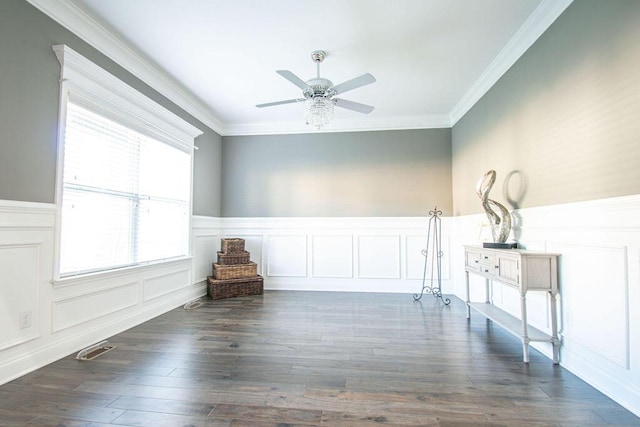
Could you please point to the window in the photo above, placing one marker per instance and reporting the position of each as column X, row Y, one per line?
column 124, row 186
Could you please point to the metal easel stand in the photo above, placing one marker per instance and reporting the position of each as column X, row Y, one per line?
column 433, row 253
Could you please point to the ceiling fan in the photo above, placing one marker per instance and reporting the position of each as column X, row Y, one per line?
column 318, row 94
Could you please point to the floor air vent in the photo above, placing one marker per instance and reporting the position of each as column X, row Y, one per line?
column 193, row 304
column 94, row 351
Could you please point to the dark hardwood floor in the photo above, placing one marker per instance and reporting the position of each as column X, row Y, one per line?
column 310, row 359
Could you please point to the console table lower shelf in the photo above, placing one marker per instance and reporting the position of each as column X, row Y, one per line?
column 524, row 271
column 511, row 323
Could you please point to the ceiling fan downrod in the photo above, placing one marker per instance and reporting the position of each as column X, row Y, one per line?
column 318, row 56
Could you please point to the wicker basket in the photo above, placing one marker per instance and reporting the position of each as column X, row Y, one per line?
column 232, row 246
column 231, row 259
column 237, row 271
column 230, row 288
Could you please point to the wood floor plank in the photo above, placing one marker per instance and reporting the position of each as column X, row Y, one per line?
column 74, row 411
column 166, row 406
column 157, row 419
column 51, row 420
column 268, row 414
column 310, row 359
column 12, row 418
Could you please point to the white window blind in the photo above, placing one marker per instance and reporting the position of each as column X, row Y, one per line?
column 125, row 196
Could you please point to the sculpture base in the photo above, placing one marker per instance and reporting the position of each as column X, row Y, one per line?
column 492, row 245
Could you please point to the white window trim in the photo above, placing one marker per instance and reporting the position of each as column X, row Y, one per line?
column 91, row 85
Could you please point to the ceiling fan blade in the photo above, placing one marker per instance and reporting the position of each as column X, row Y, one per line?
column 354, row 83
column 293, row 79
column 286, row 101
column 355, row 106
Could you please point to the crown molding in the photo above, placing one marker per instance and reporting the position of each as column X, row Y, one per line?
column 76, row 20
column 342, row 125
column 538, row 22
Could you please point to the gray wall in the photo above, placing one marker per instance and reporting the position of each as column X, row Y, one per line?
column 386, row 173
column 563, row 124
column 29, row 102
column 207, row 175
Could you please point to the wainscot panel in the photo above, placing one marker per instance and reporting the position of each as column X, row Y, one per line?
column 205, row 242
column 165, row 284
column 79, row 309
column 332, row 256
column 204, row 253
column 19, row 264
column 287, row 255
column 379, row 257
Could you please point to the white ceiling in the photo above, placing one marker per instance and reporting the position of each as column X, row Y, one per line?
column 432, row 58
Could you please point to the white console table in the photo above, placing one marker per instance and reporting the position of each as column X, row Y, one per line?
column 522, row 270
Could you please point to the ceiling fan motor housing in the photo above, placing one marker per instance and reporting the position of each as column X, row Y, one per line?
column 318, row 87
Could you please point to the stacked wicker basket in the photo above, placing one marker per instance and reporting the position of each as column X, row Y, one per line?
column 234, row 275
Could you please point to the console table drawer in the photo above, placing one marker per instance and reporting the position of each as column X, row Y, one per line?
column 472, row 260
column 487, row 269
column 488, row 257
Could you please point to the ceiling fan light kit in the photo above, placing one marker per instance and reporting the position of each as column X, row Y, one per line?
column 318, row 111
column 318, row 94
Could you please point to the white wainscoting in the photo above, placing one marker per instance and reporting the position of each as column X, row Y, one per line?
column 20, row 284
column 287, row 255
column 332, row 256
column 43, row 321
column 378, row 257
column 599, row 243
column 26, row 261
column 205, row 242
column 338, row 254
column 87, row 306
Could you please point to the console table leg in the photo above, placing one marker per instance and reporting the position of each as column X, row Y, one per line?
column 525, row 332
column 525, row 350
column 555, row 341
column 467, row 291
column 487, row 291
